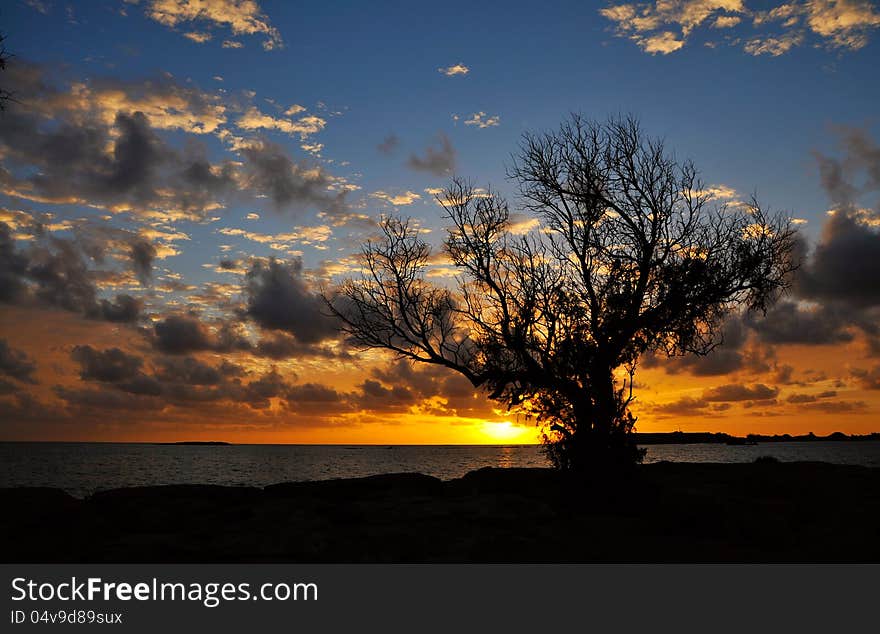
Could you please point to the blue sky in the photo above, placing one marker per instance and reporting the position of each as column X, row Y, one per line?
column 750, row 122
column 752, row 92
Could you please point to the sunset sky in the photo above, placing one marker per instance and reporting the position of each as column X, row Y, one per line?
column 179, row 178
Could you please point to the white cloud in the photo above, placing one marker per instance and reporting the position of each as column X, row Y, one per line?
column 199, row 37
column 253, row 119
column 664, row 26
column 482, row 120
column 242, row 17
column 455, row 69
column 404, row 198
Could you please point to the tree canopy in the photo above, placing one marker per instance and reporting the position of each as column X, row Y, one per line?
column 630, row 254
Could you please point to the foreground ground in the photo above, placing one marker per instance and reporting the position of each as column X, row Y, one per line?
column 667, row 512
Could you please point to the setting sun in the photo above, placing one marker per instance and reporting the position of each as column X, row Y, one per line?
column 506, row 431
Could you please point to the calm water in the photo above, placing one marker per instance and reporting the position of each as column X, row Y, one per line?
column 83, row 468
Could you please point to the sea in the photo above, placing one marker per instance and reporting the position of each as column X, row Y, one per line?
column 82, row 469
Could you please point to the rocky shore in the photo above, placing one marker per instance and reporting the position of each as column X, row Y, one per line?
column 667, row 512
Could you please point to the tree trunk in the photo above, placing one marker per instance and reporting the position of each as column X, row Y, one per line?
column 601, row 440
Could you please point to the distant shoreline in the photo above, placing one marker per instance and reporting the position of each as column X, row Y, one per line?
column 642, row 438
column 688, row 438
column 207, row 443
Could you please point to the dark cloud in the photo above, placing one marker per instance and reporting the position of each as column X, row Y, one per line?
column 179, row 334
column 142, row 255
column 835, row 290
column 836, row 407
column 108, row 366
column 868, row 379
column 725, row 358
column 16, row 364
column 281, row 345
column 685, row 406
column 375, row 394
column 448, row 392
column 55, row 150
column 271, row 171
column 846, row 263
column 74, row 165
column 13, row 267
column 93, row 400
column 123, row 309
column 116, row 367
column 810, row 398
column 55, row 272
column 438, row 159
column 278, row 298
column 60, row 140
column 388, row 145
column 788, row 322
column 188, row 370
column 739, row 392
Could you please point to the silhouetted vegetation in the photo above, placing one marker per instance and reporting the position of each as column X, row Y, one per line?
column 5, row 95
column 628, row 254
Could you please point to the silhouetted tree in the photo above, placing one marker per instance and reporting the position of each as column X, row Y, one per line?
column 629, row 255
column 5, row 95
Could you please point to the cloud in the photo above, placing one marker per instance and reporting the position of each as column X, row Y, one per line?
column 835, row 293
column 799, row 398
column 16, row 364
column 278, row 298
column 142, row 255
column 439, row 161
column 732, row 392
column 403, row 198
column 719, row 399
column 791, row 323
column 55, row 272
column 684, row 406
column 282, row 345
column 191, row 371
column 455, row 69
column 388, row 145
column 183, row 334
column 99, row 145
column 284, row 241
column 38, row 5
column 773, row 46
column 650, row 25
column 269, row 170
column 306, row 126
column 109, row 366
column 844, row 23
column 65, row 147
column 665, row 26
column 868, row 379
column 728, row 357
column 232, row 44
column 199, row 37
column 242, row 17
column 482, row 120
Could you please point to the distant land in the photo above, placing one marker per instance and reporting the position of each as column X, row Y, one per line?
column 670, row 438
column 210, row 443
column 683, row 438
